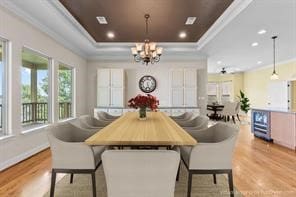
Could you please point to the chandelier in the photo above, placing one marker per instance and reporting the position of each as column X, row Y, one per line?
column 148, row 51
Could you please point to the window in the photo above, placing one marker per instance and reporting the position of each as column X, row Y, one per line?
column 3, row 79
column 35, row 81
column 65, row 96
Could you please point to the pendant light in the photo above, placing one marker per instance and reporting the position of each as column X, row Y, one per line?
column 274, row 75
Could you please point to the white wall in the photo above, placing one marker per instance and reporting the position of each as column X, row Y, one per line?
column 134, row 71
column 20, row 34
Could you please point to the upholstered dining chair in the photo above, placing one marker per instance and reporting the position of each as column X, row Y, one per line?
column 70, row 154
column 183, row 117
column 77, row 123
column 212, row 154
column 199, row 122
column 106, row 116
column 90, row 122
column 229, row 110
column 134, row 173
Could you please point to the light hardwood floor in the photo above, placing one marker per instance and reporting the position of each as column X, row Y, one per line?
column 260, row 169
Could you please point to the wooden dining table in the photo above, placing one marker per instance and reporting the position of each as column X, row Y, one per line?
column 128, row 130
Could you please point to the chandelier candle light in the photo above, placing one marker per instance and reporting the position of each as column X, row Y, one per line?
column 148, row 51
column 143, row 102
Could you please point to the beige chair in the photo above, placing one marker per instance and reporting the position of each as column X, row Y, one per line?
column 229, row 110
column 199, row 122
column 106, row 116
column 183, row 117
column 70, row 154
column 145, row 173
column 92, row 123
column 212, row 154
column 77, row 123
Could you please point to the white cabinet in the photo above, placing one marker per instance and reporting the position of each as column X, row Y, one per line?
column 110, row 87
column 177, row 97
column 183, row 91
column 103, row 96
column 190, row 78
column 117, row 78
column 116, row 97
column 115, row 112
column 103, row 78
column 177, row 78
column 278, row 94
column 190, row 97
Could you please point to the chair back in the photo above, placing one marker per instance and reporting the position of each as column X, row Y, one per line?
column 66, row 132
column 91, row 122
column 106, row 116
column 65, row 141
column 229, row 108
column 215, row 147
column 134, row 173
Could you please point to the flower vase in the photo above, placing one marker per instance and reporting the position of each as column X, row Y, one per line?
column 142, row 113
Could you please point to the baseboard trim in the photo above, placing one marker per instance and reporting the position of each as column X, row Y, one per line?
column 6, row 164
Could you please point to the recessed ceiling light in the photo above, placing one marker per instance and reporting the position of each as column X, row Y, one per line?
column 219, row 62
column 259, row 62
column 110, row 35
column 262, row 31
column 254, row 44
column 190, row 20
column 102, row 20
column 182, row 35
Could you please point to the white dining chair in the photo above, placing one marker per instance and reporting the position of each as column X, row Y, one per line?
column 212, row 154
column 106, row 116
column 70, row 154
column 145, row 173
column 199, row 122
column 88, row 121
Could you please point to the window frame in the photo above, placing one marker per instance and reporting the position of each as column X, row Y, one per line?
column 50, row 88
column 5, row 87
column 73, row 88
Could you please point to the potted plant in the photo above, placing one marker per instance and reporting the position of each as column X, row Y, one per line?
column 143, row 102
column 244, row 102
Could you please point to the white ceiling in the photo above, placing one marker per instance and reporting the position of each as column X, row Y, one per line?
column 228, row 40
column 232, row 46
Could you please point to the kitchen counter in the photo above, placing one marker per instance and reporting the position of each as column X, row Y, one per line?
column 275, row 109
column 275, row 124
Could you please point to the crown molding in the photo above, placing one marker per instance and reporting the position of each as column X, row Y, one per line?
column 91, row 49
column 236, row 7
column 12, row 7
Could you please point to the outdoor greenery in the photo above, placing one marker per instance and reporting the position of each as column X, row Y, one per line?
column 65, row 88
column 244, row 101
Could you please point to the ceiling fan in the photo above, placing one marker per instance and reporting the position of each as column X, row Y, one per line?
column 223, row 71
column 228, row 70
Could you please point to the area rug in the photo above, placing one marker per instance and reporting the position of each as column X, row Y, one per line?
column 202, row 185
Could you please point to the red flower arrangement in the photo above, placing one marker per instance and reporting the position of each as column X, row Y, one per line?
column 144, row 101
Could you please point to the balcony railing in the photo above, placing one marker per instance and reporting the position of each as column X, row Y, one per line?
column 38, row 112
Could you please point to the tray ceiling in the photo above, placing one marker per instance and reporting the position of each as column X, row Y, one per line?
column 126, row 18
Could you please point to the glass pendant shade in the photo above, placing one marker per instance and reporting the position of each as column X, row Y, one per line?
column 139, row 47
column 134, row 51
column 274, row 76
column 152, row 46
column 159, row 50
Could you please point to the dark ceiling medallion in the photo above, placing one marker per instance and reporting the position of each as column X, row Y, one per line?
column 147, row 84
